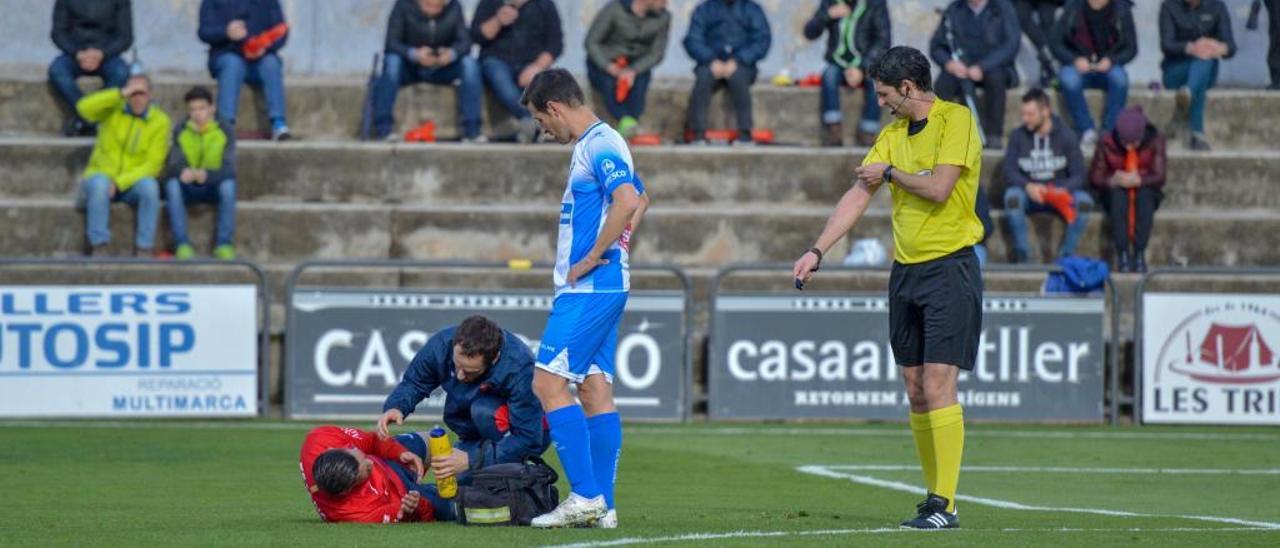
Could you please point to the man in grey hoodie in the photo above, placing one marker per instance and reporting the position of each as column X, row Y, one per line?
column 626, row 40
column 1043, row 157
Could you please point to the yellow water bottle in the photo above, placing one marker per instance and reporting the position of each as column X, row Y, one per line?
column 438, row 445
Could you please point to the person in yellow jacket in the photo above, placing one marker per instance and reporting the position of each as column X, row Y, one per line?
column 133, row 142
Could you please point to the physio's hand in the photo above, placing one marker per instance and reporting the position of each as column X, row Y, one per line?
column 803, row 269
column 409, row 505
column 586, row 265
column 412, row 460
column 392, row 415
column 447, row 466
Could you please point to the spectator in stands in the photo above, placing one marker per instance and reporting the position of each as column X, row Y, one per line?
column 626, row 40
column 1195, row 36
column 1037, row 17
column 244, row 38
column 92, row 34
column 518, row 39
column 976, row 43
column 429, row 41
column 1094, row 40
column 982, row 205
column 726, row 39
column 1129, row 172
column 202, row 169
column 1043, row 166
column 858, row 33
column 133, row 140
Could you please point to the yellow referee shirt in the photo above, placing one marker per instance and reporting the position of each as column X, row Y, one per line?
column 924, row 230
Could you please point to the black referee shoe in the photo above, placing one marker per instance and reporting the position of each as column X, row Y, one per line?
column 932, row 514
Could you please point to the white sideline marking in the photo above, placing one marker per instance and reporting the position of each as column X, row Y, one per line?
column 826, row 471
column 1068, row 470
column 833, row 532
column 259, row 424
column 975, row 433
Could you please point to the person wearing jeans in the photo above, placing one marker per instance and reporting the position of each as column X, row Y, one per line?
column 227, row 26
column 133, row 140
column 1129, row 171
column 727, row 39
column 1195, row 36
column 91, row 34
column 202, row 169
column 858, row 32
column 1043, row 159
column 428, row 41
column 627, row 39
column 518, row 39
column 1094, row 40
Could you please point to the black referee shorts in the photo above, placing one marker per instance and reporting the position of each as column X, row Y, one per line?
column 935, row 310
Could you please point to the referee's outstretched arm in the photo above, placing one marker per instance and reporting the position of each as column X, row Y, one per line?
column 850, row 208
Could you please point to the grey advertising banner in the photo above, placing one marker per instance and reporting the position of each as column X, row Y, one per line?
column 347, row 349
column 828, row 357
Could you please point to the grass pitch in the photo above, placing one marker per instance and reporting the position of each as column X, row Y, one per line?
column 237, row 483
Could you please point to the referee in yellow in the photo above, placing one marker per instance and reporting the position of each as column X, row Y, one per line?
column 930, row 158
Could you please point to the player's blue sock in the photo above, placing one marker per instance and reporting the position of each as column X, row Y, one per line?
column 606, row 448
column 573, row 444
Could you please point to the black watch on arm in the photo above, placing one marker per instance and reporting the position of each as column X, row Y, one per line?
column 888, row 175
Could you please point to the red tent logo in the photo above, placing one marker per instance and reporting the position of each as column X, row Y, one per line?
column 1226, row 354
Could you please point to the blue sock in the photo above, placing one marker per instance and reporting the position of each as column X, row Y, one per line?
column 606, row 448
column 573, row 445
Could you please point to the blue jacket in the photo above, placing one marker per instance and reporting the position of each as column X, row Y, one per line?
column 728, row 29
column 258, row 17
column 989, row 39
column 511, row 378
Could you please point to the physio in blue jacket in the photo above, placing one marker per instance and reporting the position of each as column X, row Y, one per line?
column 486, row 373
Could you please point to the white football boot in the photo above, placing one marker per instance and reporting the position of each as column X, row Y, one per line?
column 574, row 511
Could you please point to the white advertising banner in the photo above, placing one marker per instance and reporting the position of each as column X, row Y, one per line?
column 128, row 351
column 1210, row 358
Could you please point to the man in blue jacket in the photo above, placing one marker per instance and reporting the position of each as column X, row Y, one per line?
column 727, row 38
column 236, row 30
column 486, row 373
column 976, row 43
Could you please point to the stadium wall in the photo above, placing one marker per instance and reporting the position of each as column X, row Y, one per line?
column 336, row 38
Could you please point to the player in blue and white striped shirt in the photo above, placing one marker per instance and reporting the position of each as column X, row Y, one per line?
column 602, row 206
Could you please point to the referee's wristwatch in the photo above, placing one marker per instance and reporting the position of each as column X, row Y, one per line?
column 888, row 175
column 818, row 253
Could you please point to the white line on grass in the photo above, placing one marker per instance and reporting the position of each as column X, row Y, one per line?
column 825, row 471
column 1068, row 470
column 691, row 537
column 255, row 424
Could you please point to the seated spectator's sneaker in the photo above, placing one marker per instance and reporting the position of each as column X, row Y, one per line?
column 1124, row 262
column 994, row 142
column 574, row 511
column 627, row 126
column 1140, row 263
column 1089, row 139
column 866, row 138
column 933, row 514
column 280, row 131
column 225, row 252
column 143, row 253
column 477, row 140
column 1199, row 142
column 184, row 252
column 744, row 141
column 699, row 143
column 528, row 131
column 99, row 251
column 1018, row 257
column 609, row 521
column 833, row 135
